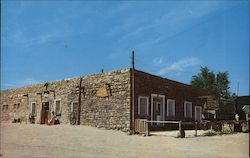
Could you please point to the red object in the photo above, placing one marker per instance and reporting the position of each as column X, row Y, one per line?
column 52, row 121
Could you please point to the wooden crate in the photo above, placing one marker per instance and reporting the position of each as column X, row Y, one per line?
column 141, row 126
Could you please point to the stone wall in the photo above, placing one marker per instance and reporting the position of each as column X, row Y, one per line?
column 110, row 110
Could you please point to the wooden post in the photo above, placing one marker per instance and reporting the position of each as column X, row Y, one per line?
column 147, row 128
column 79, row 102
column 133, row 94
column 211, row 126
column 195, row 129
column 180, row 127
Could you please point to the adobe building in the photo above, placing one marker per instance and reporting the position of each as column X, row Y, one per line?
column 111, row 100
column 242, row 101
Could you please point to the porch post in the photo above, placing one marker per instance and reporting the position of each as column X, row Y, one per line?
column 180, row 127
column 195, row 129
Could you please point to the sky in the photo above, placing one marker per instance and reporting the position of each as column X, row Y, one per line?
column 52, row 40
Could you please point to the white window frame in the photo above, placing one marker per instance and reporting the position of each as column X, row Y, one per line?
column 185, row 112
column 152, row 108
column 31, row 103
column 55, row 106
column 168, row 104
column 139, row 104
column 195, row 115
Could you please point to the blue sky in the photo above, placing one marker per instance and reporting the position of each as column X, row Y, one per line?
column 53, row 40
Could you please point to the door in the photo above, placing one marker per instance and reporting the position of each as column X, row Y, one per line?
column 158, row 112
column 198, row 113
column 45, row 113
column 74, row 113
column 157, row 109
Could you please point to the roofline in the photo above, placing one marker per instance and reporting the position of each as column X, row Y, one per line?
column 175, row 81
column 91, row 74
column 54, row 81
column 243, row 96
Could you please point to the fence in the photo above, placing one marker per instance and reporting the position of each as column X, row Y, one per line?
column 142, row 125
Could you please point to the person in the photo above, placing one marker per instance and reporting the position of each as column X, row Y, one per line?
column 237, row 117
column 53, row 119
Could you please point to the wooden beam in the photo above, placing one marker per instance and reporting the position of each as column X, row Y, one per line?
column 133, row 93
column 164, row 122
column 180, row 127
column 195, row 129
column 79, row 102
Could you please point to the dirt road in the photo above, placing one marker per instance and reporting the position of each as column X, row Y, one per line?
column 65, row 141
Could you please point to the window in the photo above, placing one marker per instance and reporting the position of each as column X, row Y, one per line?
column 57, row 107
column 5, row 107
column 16, row 106
column 188, row 109
column 170, row 107
column 74, row 106
column 33, row 108
column 142, row 105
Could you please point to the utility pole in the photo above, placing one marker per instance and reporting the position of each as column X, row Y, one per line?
column 238, row 87
column 133, row 92
column 79, row 102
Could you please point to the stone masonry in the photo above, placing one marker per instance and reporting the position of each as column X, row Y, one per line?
column 111, row 111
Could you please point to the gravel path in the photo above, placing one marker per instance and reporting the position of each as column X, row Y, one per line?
column 65, row 141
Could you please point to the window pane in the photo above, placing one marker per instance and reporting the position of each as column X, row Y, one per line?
column 189, row 110
column 171, row 106
column 158, row 109
column 143, row 106
column 171, row 109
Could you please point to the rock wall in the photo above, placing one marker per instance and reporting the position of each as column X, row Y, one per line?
column 105, row 100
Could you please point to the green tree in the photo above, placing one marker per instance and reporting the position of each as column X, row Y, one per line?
column 217, row 83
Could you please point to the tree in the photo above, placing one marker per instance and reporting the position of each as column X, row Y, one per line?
column 217, row 83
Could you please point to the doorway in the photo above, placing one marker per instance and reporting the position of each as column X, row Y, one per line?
column 198, row 113
column 45, row 113
column 157, row 109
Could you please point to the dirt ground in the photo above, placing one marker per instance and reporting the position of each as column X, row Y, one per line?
column 27, row 141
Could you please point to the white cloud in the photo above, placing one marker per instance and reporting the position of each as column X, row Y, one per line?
column 22, row 38
column 179, row 65
column 174, row 21
column 42, row 39
column 185, row 16
column 158, row 61
column 26, row 81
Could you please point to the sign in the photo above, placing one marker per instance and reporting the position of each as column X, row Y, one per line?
column 103, row 91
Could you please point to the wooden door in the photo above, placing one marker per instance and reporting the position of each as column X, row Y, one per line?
column 45, row 113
